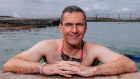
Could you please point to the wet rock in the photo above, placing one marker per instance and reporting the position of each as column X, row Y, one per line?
column 10, row 75
column 38, row 23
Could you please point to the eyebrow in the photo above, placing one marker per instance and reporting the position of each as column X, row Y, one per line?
column 68, row 23
column 76, row 23
column 79, row 23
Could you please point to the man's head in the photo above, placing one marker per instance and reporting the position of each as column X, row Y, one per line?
column 73, row 25
column 73, row 9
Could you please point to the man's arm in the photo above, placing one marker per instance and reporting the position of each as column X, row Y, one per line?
column 26, row 62
column 110, row 68
column 113, row 63
column 18, row 65
column 118, row 66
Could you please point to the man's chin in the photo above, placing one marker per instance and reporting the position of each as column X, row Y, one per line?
column 74, row 42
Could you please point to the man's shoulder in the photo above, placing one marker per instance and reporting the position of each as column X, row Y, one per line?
column 90, row 46
column 52, row 42
column 47, row 45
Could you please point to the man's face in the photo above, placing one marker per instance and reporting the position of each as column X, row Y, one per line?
column 73, row 27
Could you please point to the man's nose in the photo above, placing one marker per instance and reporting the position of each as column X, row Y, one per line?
column 74, row 29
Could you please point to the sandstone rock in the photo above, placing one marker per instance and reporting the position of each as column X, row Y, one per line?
column 10, row 75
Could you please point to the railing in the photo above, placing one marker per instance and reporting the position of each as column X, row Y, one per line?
column 115, row 17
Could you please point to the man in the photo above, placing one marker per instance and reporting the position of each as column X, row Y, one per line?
column 71, row 55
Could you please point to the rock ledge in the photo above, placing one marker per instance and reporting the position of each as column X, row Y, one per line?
column 10, row 75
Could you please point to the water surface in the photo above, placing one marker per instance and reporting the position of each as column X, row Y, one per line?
column 121, row 37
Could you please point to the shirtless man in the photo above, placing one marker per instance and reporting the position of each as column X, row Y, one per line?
column 70, row 55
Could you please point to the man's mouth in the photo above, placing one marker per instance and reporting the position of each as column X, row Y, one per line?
column 74, row 35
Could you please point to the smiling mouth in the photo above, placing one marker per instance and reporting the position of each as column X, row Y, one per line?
column 74, row 36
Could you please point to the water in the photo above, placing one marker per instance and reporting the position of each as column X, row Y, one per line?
column 121, row 37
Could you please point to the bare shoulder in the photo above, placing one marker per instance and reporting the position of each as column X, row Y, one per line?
column 92, row 47
column 96, row 48
column 49, row 43
column 46, row 46
column 39, row 50
column 101, row 52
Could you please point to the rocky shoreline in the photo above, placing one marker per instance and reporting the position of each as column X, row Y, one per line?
column 23, row 23
column 9, row 22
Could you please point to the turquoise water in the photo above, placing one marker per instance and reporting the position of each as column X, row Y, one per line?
column 121, row 37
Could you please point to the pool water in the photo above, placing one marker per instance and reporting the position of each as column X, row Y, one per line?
column 121, row 37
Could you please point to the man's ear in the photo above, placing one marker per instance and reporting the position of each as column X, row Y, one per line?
column 85, row 28
column 60, row 28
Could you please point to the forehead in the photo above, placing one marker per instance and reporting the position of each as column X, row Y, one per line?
column 73, row 17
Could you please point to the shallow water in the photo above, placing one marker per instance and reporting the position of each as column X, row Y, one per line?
column 121, row 37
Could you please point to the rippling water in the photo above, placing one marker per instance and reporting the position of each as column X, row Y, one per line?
column 121, row 37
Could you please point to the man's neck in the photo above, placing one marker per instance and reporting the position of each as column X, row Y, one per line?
column 71, row 50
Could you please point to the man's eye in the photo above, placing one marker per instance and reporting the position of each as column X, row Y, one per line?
column 68, row 24
column 80, row 24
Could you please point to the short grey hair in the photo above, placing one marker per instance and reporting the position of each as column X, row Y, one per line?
column 73, row 9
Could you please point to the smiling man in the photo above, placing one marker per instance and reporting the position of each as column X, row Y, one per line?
column 70, row 55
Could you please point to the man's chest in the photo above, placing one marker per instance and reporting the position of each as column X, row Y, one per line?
column 54, row 58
